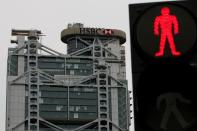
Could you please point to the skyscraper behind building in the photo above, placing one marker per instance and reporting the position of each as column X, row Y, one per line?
column 84, row 90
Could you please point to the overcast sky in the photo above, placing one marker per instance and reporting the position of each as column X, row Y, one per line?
column 51, row 17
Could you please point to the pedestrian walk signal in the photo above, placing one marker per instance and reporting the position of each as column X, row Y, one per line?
column 166, row 31
column 164, row 65
column 165, row 98
column 166, row 22
column 171, row 100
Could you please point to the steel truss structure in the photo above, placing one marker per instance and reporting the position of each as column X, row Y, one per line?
column 33, row 79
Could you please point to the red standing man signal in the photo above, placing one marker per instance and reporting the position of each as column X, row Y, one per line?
column 165, row 24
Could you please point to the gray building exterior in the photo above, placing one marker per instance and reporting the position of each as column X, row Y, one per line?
column 83, row 90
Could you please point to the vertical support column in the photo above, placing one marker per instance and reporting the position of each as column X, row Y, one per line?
column 114, row 67
column 114, row 97
column 102, row 86
column 33, row 81
column 96, row 53
column 103, row 101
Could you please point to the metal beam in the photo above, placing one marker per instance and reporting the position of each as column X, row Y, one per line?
column 85, row 126
column 18, row 125
column 51, row 125
column 60, row 54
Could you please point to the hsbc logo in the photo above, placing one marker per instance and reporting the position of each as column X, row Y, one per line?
column 96, row 31
column 108, row 32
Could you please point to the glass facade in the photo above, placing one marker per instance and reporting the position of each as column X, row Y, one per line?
column 81, row 67
column 12, row 65
column 52, row 65
column 62, row 103
column 110, row 106
column 122, row 108
column 68, row 103
column 75, row 44
column 60, row 66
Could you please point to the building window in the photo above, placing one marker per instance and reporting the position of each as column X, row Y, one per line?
column 91, row 114
column 39, row 93
column 26, row 93
column 85, row 108
column 62, row 65
column 68, row 65
column 59, row 108
column 76, row 66
column 88, row 65
column 41, row 101
column 76, row 115
column 75, row 89
column 72, row 72
column 13, row 65
column 89, row 89
column 77, row 108
column 71, row 108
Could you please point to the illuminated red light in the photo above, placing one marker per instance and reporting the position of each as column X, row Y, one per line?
column 165, row 24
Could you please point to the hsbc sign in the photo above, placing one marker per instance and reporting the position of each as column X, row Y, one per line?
column 96, row 31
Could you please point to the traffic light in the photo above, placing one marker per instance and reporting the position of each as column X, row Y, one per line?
column 164, row 65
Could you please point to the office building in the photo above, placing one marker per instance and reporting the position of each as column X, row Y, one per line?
column 84, row 89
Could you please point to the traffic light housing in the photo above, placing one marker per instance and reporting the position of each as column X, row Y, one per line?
column 164, row 59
